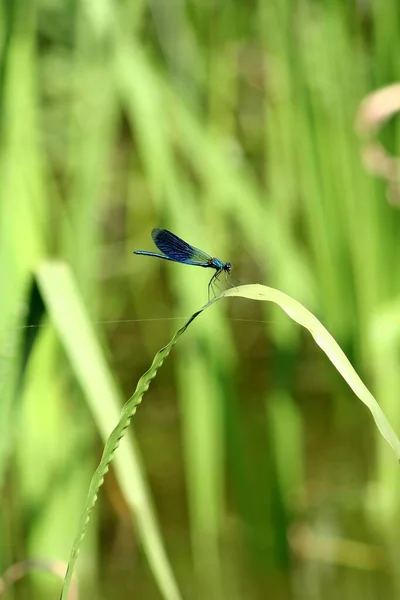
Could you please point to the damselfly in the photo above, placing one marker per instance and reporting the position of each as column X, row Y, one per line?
column 174, row 248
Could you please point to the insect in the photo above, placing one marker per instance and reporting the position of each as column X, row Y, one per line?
column 174, row 248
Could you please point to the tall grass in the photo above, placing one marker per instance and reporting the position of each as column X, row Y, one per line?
column 232, row 125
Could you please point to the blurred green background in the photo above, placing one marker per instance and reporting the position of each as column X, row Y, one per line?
column 257, row 473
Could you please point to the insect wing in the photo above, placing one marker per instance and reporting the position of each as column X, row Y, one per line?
column 179, row 250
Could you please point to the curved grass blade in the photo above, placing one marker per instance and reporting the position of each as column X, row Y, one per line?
column 326, row 342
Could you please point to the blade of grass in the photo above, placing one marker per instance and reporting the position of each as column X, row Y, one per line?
column 326, row 342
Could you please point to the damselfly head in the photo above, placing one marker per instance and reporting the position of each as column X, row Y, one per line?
column 227, row 267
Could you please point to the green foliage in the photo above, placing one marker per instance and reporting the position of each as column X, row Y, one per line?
column 58, row 291
column 233, row 125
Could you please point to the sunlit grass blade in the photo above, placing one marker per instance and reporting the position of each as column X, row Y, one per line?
column 323, row 338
